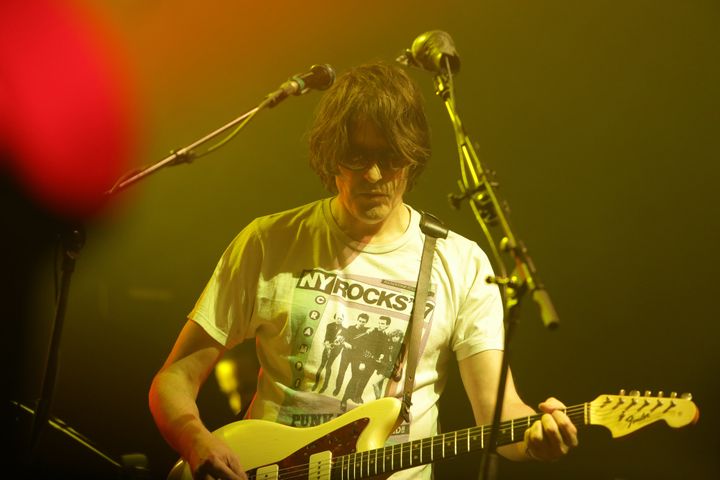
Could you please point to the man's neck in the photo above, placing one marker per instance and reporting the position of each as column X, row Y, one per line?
column 385, row 231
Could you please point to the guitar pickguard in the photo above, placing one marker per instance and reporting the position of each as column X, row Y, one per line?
column 339, row 442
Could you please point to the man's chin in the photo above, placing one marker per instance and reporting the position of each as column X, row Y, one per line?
column 374, row 214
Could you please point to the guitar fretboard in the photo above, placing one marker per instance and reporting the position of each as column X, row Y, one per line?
column 401, row 456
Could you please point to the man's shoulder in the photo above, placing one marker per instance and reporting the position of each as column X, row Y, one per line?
column 293, row 217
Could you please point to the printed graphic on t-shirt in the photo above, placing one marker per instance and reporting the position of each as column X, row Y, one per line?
column 347, row 332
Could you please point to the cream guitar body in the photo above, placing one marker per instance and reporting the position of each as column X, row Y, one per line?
column 270, row 450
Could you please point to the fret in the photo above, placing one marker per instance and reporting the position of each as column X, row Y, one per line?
column 467, row 432
column 365, row 456
column 512, row 430
column 432, row 449
column 408, row 451
column 426, row 450
column 372, row 462
column 368, row 456
column 455, row 441
column 473, row 438
column 482, row 436
column 376, row 461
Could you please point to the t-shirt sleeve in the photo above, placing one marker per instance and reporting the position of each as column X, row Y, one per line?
column 224, row 309
column 479, row 323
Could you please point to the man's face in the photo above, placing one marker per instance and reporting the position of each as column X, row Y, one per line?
column 372, row 183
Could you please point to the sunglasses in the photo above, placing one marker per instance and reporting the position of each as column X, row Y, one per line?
column 358, row 160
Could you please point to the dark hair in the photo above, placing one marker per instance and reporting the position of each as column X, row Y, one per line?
column 378, row 92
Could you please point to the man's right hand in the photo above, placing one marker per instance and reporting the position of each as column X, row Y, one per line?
column 211, row 458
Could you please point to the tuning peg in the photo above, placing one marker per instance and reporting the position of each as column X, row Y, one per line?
column 686, row 396
column 622, row 392
column 673, row 394
column 634, row 393
column 648, row 393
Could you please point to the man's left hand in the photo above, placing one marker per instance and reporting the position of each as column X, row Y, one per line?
column 552, row 436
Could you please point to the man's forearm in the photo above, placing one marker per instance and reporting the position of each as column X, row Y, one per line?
column 173, row 406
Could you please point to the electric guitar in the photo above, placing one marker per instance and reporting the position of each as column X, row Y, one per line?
column 352, row 446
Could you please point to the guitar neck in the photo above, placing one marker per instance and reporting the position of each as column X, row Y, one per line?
column 401, row 456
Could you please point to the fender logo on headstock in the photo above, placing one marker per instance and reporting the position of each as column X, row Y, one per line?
column 632, row 420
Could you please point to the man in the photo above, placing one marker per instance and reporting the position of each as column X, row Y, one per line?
column 390, row 350
column 351, row 356
column 285, row 275
column 369, row 355
column 333, row 344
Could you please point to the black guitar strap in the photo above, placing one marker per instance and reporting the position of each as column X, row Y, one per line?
column 433, row 229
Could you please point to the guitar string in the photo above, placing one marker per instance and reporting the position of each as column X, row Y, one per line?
column 576, row 414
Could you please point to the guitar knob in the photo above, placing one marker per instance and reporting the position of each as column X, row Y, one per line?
column 648, row 393
column 660, row 394
column 622, row 392
column 634, row 393
column 673, row 394
column 686, row 396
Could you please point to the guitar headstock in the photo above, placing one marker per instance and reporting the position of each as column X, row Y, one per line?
column 623, row 414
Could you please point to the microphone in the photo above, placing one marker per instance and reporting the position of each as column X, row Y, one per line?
column 319, row 77
column 430, row 51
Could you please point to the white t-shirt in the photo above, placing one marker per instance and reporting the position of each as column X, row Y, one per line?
column 313, row 298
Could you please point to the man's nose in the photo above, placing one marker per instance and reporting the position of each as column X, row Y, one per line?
column 373, row 174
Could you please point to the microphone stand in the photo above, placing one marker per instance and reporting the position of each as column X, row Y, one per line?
column 294, row 86
column 477, row 188
column 72, row 240
column 183, row 155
